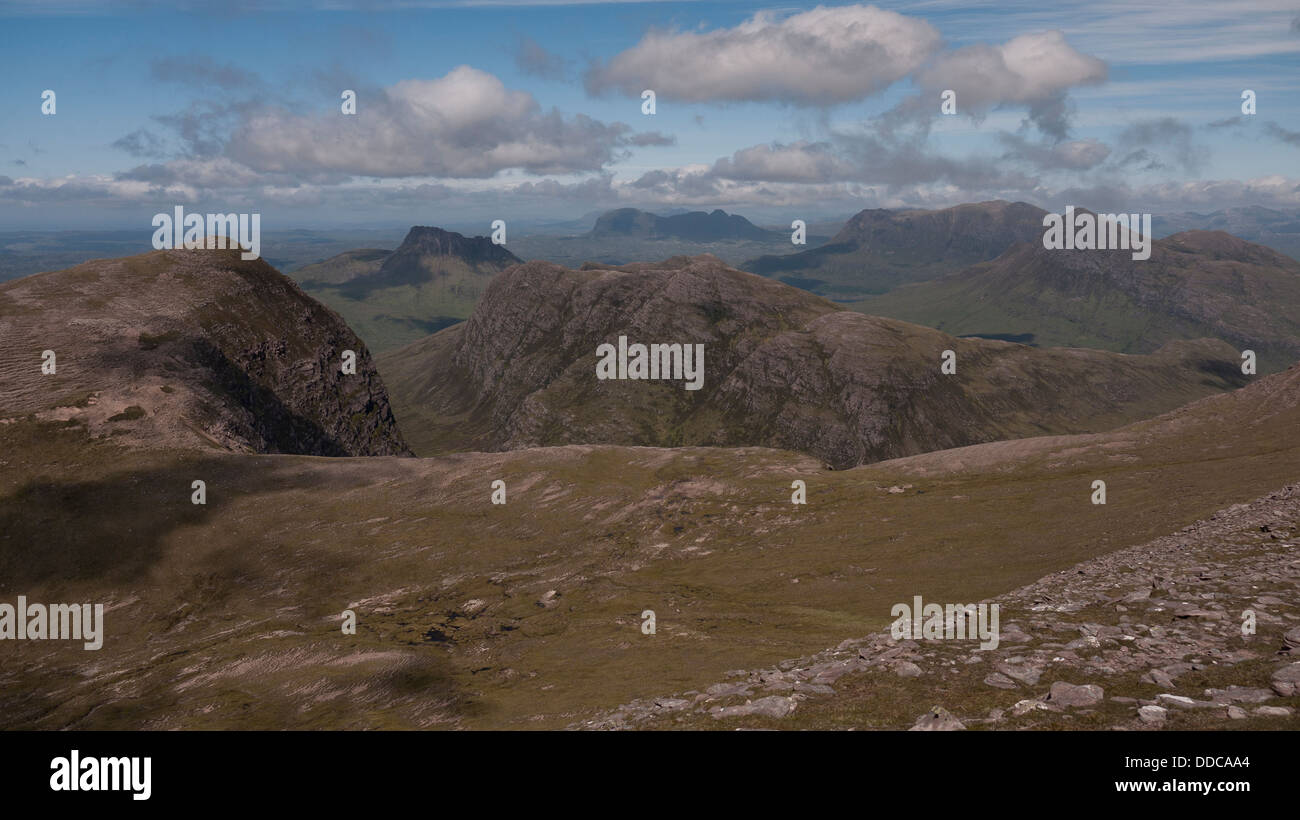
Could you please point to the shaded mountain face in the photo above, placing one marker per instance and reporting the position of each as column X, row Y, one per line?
column 1196, row 284
column 782, row 368
column 696, row 226
column 878, row 250
column 432, row 280
column 191, row 348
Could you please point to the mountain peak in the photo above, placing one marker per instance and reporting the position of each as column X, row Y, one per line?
column 194, row 348
column 423, row 240
column 428, row 253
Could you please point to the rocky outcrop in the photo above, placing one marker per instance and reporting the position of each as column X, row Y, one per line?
column 191, row 348
column 782, row 368
column 1155, row 622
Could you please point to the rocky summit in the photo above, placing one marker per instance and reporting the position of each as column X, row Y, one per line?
column 190, row 348
column 782, row 368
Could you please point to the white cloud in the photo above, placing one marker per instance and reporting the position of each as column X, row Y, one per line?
column 819, row 57
column 1035, row 70
column 463, row 125
column 797, row 162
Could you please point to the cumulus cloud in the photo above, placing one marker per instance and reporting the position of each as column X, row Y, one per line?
column 1274, row 191
column 596, row 189
column 77, row 191
column 819, row 57
column 213, row 173
column 869, row 158
column 463, row 125
column 798, row 162
column 1034, row 70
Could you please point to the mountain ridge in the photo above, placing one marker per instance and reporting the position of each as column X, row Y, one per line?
column 784, row 368
column 196, row 348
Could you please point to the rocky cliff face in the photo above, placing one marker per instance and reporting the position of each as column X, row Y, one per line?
column 783, row 368
column 191, row 348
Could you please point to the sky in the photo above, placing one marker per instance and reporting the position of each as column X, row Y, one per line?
column 533, row 111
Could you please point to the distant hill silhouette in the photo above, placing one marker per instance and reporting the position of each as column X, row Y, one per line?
column 878, row 250
column 695, row 226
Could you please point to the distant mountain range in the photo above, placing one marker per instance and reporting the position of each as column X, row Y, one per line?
column 629, row 235
column 878, row 250
column 434, row 278
column 694, row 226
column 1196, row 283
column 975, row 269
column 1279, row 230
column 783, row 368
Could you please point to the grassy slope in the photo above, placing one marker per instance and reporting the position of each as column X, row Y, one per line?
column 341, row 268
column 227, row 615
column 390, row 317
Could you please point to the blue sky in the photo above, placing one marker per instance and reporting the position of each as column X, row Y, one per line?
column 531, row 110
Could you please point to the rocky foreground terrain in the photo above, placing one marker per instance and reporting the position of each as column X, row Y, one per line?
column 472, row 613
column 1147, row 637
column 783, row 368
